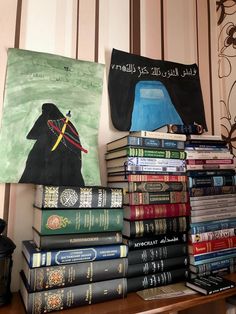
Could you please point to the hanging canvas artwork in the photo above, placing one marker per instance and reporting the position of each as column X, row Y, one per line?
column 146, row 94
column 49, row 132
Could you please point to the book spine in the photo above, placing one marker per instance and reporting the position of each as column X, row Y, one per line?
column 161, row 135
column 193, row 156
column 155, row 280
column 78, row 197
column 79, row 221
column 145, row 161
column 143, row 198
column 142, row 152
column 196, row 212
column 210, row 167
column 43, row 278
column 157, row 253
column 206, row 173
column 157, row 186
column 62, row 257
column 212, row 190
column 212, row 256
column 139, row 168
column 209, row 161
column 68, row 297
column 154, row 267
column 142, row 212
column 161, row 240
column 212, row 235
column 212, row 226
column 212, row 181
column 211, row 217
column 211, row 266
column 155, row 142
column 158, row 226
column 153, row 177
column 76, row 240
column 212, row 245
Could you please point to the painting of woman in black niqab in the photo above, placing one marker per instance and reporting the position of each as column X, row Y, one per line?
column 55, row 158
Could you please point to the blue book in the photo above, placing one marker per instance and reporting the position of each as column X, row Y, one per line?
column 212, row 256
column 207, row 226
column 37, row 258
column 211, row 266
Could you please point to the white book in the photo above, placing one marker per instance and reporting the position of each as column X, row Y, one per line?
column 208, row 155
column 212, row 211
column 159, row 135
column 214, row 216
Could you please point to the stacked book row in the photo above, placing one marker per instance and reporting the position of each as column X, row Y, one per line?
column 150, row 167
column 76, row 256
column 212, row 190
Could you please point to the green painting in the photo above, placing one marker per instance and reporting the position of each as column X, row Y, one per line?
column 49, row 130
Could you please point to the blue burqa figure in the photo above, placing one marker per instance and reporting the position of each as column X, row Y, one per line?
column 153, row 107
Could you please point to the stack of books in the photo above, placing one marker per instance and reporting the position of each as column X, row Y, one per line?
column 150, row 167
column 212, row 190
column 76, row 256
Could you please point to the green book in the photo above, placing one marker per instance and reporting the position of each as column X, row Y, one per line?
column 67, row 221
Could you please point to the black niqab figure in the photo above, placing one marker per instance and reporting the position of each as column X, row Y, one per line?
column 55, row 158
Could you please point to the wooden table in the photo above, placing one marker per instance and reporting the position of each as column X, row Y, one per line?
column 197, row 303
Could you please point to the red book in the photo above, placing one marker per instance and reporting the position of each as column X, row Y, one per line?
column 211, row 246
column 209, row 161
column 156, row 177
column 142, row 212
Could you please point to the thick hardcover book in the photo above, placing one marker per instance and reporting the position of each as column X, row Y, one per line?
column 211, row 226
column 209, row 181
column 154, row 186
column 145, row 152
column 204, row 137
column 153, row 227
column 212, row 235
column 210, row 284
column 212, row 256
column 216, row 190
column 44, row 278
column 156, row 169
column 77, row 197
column 75, row 240
column 211, row 266
column 147, row 178
column 130, row 140
column 157, row 253
column 156, row 266
column 53, row 221
column 159, row 135
column 212, row 245
column 181, row 128
column 68, row 297
column 37, row 258
column 145, row 161
column 160, row 240
column 155, row 280
column 142, row 198
column 209, row 161
column 142, row 212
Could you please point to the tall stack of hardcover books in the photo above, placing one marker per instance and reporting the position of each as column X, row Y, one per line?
column 76, row 256
column 150, row 167
column 212, row 189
